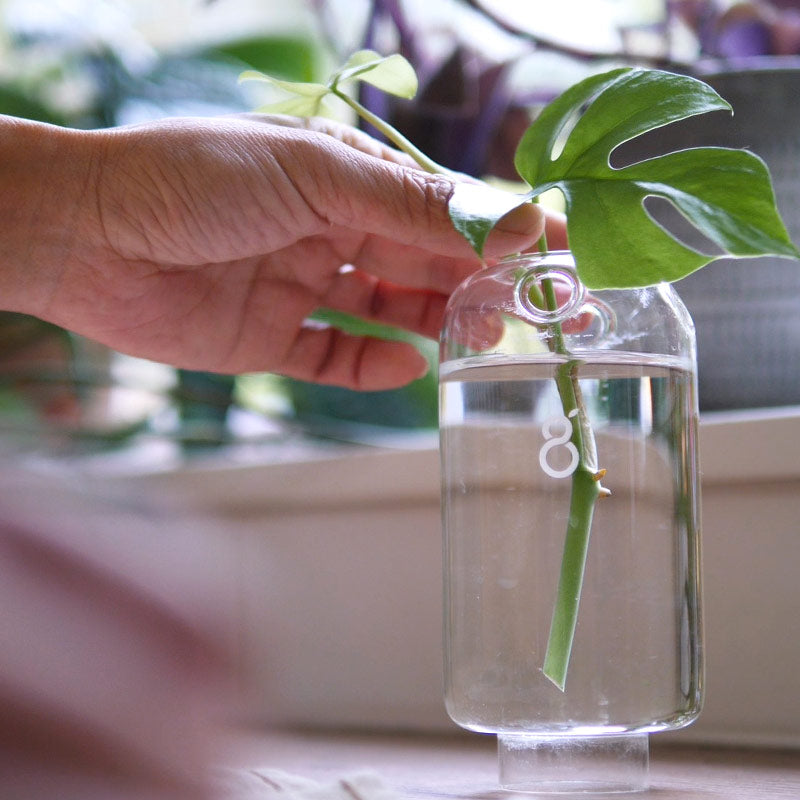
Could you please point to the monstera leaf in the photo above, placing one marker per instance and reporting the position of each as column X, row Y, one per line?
column 726, row 194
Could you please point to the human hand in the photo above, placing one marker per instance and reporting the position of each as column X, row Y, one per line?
column 206, row 244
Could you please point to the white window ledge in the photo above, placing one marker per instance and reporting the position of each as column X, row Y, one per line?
column 339, row 580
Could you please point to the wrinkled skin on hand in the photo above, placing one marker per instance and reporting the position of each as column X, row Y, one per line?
column 206, row 243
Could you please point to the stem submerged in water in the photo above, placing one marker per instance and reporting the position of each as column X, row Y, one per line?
column 586, row 488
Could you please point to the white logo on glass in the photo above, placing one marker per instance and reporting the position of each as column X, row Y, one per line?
column 562, row 439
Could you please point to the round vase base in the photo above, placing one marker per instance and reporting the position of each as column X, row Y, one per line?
column 580, row 765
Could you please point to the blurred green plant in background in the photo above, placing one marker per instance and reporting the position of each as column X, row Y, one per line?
column 97, row 63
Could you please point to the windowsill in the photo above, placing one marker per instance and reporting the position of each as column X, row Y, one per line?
column 339, row 580
column 749, row 446
column 427, row 767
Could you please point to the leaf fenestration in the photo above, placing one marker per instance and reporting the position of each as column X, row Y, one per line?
column 726, row 194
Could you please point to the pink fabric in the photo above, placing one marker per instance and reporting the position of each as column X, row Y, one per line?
column 112, row 675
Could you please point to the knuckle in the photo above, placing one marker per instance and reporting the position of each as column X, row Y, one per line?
column 427, row 195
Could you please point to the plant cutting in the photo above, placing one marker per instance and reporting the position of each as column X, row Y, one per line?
column 713, row 187
column 725, row 193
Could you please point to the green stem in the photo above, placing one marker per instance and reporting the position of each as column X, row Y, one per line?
column 586, row 488
column 392, row 134
column 585, row 491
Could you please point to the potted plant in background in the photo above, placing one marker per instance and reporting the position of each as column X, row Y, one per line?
column 93, row 64
column 746, row 314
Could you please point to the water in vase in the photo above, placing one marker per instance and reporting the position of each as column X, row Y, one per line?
column 506, row 467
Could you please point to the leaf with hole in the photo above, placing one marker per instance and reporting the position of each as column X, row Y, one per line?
column 727, row 194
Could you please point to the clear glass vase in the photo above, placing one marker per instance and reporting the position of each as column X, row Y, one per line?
column 570, row 511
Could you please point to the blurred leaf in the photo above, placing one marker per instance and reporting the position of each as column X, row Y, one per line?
column 181, row 85
column 356, row 326
column 16, row 103
column 392, row 74
column 21, row 331
column 298, row 107
column 308, row 99
column 322, row 408
column 301, row 88
column 293, row 58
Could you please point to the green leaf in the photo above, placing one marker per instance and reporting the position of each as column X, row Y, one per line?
column 291, row 57
column 298, row 107
column 475, row 208
column 392, row 74
column 15, row 102
column 308, row 99
column 301, row 88
column 726, row 194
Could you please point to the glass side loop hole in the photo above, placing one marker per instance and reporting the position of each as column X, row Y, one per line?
column 603, row 315
column 529, row 294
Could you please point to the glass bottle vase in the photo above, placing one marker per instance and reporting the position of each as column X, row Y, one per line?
column 568, row 427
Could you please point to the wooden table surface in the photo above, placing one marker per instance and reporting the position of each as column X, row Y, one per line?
column 420, row 767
